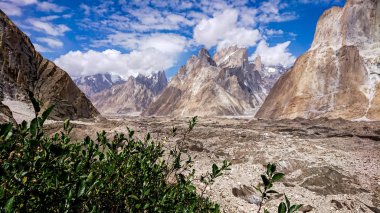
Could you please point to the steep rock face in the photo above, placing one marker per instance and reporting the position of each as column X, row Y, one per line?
column 24, row 69
column 340, row 75
column 97, row 83
column 6, row 114
column 226, row 84
column 131, row 97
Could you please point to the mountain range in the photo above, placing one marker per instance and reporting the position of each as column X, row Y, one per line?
column 338, row 77
column 225, row 84
column 132, row 96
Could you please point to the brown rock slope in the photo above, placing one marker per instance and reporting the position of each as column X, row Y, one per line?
column 23, row 69
column 226, row 84
column 132, row 96
column 340, row 75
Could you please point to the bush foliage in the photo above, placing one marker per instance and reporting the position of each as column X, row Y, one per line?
column 40, row 173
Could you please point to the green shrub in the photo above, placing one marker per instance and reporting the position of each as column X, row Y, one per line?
column 265, row 190
column 39, row 173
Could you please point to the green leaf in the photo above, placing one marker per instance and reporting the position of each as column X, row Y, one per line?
column 282, row 208
column 2, row 192
column 5, row 129
column 277, row 177
column 33, row 127
column 273, row 168
column 36, row 104
column 215, row 169
column 294, row 208
column 46, row 113
column 9, row 205
column 134, row 197
column 82, row 188
column 287, row 201
column 269, row 166
column 265, row 180
column 266, row 211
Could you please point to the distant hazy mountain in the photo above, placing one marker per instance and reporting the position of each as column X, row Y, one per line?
column 23, row 69
column 339, row 77
column 132, row 96
column 226, row 84
column 96, row 83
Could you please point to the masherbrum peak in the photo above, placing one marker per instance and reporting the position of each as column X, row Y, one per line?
column 339, row 77
column 225, row 84
column 24, row 70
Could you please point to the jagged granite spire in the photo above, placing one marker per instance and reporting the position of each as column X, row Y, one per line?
column 223, row 85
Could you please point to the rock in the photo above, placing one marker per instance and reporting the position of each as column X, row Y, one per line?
column 226, row 84
column 6, row 114
column 339, row 77
column 24, row 69
column 306, row 208
column 246, row 193
column 337, row 204
column 132, row 96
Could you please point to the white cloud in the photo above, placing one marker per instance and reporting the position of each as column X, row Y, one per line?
column 222, row 30
column 78, row 63
column 42, row 49
column 150, row 53
column 22, row 2
column 48, row 6
column 276, row 55
column 10, row 9
column 51, row 42
column 270, row 11
column 272, row 32
column 86, row 9
column 49, row 28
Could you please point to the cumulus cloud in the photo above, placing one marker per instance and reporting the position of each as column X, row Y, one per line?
column 48, row 6
column 149, row 54
column 10, row 9
column 222, row 30
column 42, row 49
column 276, row 55
column 51, row 42
column 47, row 27
column 13, row 7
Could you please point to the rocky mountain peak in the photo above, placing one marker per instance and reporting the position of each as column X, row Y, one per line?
column 92, row 84
column 205, row 58
column 24, row 70
column 231, row 57
column 156, row 81
column 258, row 63
column 132, row 96
column 339, row 77
column 229, row 87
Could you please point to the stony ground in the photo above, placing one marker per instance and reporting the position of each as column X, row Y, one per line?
column 330, row 165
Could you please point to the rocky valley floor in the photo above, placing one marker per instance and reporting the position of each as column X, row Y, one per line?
column 329, row 165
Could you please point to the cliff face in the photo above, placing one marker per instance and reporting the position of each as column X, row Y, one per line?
column 340, row 75
column 132, row 96
column 223, row 85
column 23, row 69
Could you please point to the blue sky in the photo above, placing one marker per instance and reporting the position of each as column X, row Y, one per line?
column 128, row 37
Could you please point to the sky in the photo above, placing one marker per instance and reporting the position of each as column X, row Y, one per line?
column 128, row 37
